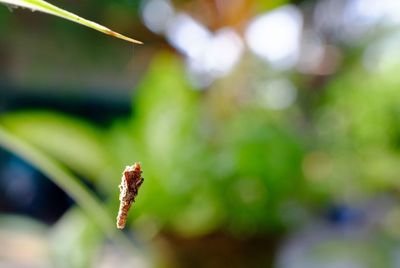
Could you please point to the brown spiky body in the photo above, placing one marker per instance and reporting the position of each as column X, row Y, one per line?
column 130, row 183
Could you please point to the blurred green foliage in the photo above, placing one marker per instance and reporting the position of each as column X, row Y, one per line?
column 220, row 165
column 210, row 171
column 208, row 167
column 75, row 143
column 358, row 126
column 202, row 171
column 220, row 160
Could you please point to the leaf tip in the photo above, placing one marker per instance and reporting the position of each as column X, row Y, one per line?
column 118, row 35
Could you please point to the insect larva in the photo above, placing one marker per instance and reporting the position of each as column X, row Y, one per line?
column 130, row 183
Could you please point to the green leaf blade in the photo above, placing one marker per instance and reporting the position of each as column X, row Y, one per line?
column 45, row 7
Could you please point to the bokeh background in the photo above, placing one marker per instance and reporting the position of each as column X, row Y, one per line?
column 268, row 132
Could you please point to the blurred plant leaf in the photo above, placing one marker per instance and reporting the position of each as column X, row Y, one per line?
column 72, row 142
column 68, row 182
column 43, row 6
column 59, row 175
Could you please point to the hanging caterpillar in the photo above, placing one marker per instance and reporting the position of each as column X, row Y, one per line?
column 130, row 183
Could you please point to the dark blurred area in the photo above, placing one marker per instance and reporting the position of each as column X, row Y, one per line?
column 268, row 132
column 26, row 191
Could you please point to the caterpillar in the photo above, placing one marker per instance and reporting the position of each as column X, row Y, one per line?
column 130, row 183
